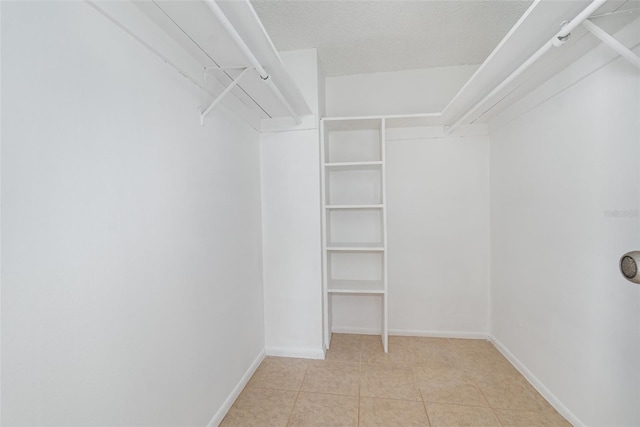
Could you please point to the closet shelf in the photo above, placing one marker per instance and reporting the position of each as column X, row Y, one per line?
column 355, row 247
column 363, row 287
column 344, row 166
column 348, row 207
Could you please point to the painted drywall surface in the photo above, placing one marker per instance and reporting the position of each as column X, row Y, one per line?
column 302, row 66
column 291, row 239
column 438, row 249
column 290, row 163
column 398, row 92
column 564, row 199
column 322, row 91
column 364, row 37
column 131, row 235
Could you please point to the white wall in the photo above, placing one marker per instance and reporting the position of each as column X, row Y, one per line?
column 559, row 303
column 438, row 230
column 291, row 226
column 397, row 92
column 131, row 248
column 438, row 215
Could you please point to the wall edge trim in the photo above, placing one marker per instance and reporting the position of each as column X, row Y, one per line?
column 537, row 384
column 226, row 405
column 300, row 352
column 414, row 333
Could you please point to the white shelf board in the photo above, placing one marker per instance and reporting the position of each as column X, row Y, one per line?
column 347, row 207
column 332, row 124
column 356, row 287
column 346, row 166
column 355, row 247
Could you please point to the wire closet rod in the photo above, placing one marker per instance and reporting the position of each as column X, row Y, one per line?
column 556, row 41
column 253, row 61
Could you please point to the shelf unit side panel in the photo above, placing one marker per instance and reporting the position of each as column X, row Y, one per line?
column 385, row 298
column 326, row 300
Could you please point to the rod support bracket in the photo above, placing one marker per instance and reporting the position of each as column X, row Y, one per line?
column 561, row 39
column 215, row 102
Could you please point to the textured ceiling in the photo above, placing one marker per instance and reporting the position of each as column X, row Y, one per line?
column 356, row 37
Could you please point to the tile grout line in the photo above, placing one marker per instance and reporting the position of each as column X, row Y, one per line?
column 298, row 394
column 461, row 354
column 475, row 382
column 424, row 404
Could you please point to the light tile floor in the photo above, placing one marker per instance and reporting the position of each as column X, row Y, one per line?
column 420, row 382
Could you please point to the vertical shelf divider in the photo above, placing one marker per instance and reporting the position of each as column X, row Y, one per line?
column 383, row 185
column 326, row 299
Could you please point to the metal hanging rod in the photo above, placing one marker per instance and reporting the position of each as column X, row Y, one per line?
column 556, row 41
column 253, row 61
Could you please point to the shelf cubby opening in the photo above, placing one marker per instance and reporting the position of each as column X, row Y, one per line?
column 355, row 227
column 355, row 272
column 362, row 186
column 353, row 141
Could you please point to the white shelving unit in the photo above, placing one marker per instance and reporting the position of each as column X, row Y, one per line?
column 354, row 217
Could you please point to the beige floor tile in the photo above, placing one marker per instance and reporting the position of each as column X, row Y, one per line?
column 438, row 373
column 400, row 352
column 279, row 373
column 548, row 418
column 344, row 348
column 486, row 362
column 332, row 377
column 388, row 381
column 430, row 345
column 457, row 415
column 441, row 359
column 470, row 345
column 511, row 392
column 346, row 338
column 388, row 412
column 463, row 382
column 371, row 339
column 315, row 409
column 260, row 407
column 452, row 392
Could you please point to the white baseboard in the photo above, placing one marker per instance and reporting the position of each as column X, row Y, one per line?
column 217, row 418
column 359, row 331
column 537, row 384
column 413, row 333
column 440, row 334
column 303, row 353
